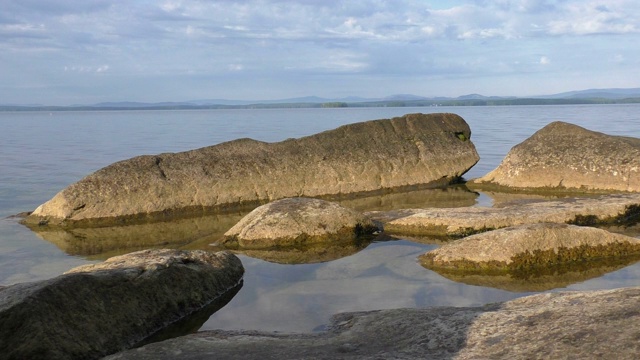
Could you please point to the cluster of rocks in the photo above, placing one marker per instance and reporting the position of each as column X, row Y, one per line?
column 412, row 151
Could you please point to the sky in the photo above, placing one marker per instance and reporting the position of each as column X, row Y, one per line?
column 68, row 52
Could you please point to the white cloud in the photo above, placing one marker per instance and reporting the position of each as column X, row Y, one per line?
column 409, row 43
column 235, row 67
column 597, row 17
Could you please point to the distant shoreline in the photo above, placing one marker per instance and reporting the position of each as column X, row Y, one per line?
column 303, row 105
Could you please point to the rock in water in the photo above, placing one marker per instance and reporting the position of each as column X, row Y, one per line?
column 95, row 310
column 298, row 221
column 566, row 157
column 605, row 210
column 527, row 247
column 414, row 149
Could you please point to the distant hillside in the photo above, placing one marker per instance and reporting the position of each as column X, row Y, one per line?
column 596, row 93
column 590, row 96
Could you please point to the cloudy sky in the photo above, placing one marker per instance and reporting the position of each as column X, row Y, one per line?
column 86, row 51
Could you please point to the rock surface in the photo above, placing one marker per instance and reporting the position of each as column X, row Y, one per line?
column 298, row 221
column 532, row 246
column 95, row 310
column 570, row 325
column 411, row 150
column 566, row 157
column 606, row 210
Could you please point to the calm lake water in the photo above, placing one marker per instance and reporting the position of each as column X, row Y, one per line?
column 42, row 152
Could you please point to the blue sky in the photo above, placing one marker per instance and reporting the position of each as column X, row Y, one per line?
column 87, row 51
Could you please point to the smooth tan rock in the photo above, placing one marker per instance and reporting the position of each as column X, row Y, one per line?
column 567, row 157
column 408, row 151
column 99, row 309
column 531, row 246
column 298, row 221
column 567, row 325
column 607, row 210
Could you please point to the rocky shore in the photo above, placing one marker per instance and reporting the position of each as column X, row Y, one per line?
column 569, row 325
column 127, row 299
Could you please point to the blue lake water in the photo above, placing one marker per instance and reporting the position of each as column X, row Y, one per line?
column 42, row 152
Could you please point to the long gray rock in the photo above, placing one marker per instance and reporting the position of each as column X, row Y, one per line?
column 412, row 150
column 526, row 247
column 96, row 310
column 569, row 325
column 606, row 209
column 298, row 222
column 566, row 157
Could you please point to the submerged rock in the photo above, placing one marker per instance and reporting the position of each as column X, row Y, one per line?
column 567, row 157
column 526, row 248
column 412, row 150
column 296, row 222
column 580, row 325
column 622, row 209
column 99, row 309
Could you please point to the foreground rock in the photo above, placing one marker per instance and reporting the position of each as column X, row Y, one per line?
column 95, row 310
column 298, row 221
column 576, row 325
column 416, row 149
column 623, row 209
column 527, row 248
column 566, row 157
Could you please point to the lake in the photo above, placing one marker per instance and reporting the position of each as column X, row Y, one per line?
column 42, row 152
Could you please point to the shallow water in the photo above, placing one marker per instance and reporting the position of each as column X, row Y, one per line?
column 41, row 153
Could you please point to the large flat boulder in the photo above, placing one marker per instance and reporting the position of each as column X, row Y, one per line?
column 568, row 325
column 298, row 222
column 528, row 248
column 618, row 209
column 412, row 150
column 95, row 310
column 566, row 157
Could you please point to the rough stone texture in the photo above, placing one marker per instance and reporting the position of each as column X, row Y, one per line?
column 571, row 325
column 613, row 209
column 95, row 310
column 568, row 157
column 530, row 246
column 415, row 149
column 298, row 221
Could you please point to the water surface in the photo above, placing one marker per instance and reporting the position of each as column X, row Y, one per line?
column 42, row 152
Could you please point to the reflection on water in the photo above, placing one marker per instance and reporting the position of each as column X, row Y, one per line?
column 102, row 243
column 542, row 279
column 449, row 197
column 312, row 254
column 299, row 289
column 193, row 322
column 200, row 232
column 41, row 154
